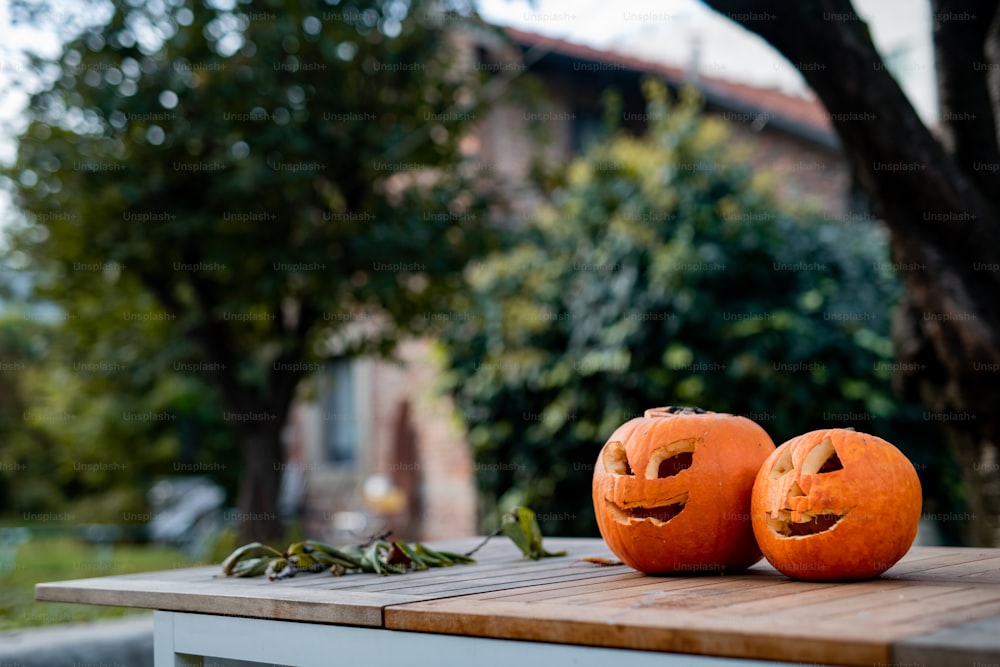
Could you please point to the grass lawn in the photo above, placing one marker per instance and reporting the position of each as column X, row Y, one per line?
column 59, row 559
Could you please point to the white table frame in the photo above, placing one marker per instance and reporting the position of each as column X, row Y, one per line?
column 203, row 640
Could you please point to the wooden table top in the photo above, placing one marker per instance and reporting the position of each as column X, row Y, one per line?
column 939, row 606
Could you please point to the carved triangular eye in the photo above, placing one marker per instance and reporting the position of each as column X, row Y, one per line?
column 616, row 460
column 831, row 464
column 822, row 459
column 782, row 466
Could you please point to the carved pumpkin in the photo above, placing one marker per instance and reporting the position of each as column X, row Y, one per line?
column 672, row 491
column 835, row 504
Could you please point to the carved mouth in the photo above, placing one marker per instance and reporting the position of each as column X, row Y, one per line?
column 658, row 515
column 807, row 523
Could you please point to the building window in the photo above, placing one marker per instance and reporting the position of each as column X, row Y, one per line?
column 587, row 129
column 341, row 423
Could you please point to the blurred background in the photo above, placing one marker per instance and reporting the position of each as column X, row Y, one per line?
column 324, row 268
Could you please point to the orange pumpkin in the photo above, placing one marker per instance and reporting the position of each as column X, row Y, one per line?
column 672, row 491
column 835, row 504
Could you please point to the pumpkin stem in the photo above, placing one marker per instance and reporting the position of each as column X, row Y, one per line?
column 674, row 410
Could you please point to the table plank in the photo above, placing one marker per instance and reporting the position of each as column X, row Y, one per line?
column 234, row 599
column 758, row 614
column 677, row 631
column 971, row 643
column 907, row 608
column 354, row 599
column 952, row 564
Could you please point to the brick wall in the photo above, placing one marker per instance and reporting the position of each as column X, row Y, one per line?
column 803, row 172
column 411, row 436
column 442, row 478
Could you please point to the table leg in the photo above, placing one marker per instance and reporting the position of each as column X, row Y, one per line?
column 164, row 654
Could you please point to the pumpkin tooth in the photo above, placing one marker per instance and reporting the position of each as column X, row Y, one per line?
column 800, row 503
column 658, row 514
column 798, row 524
column 817, row 523
column 655, row 514
column 679, row 499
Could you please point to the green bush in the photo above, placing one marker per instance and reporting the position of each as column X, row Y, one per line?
column 662, row 272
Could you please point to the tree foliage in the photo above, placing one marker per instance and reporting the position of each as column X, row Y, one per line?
column 234, row 192
column 665, row 273
column 85, row 439
column 27, row 482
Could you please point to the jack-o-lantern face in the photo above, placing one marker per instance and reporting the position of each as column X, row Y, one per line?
column 672, row 489
column 836, row 504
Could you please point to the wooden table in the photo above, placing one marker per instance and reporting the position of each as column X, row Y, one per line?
column 937, row 607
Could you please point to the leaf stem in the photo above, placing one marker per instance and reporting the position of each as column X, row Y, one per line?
column 483, row 543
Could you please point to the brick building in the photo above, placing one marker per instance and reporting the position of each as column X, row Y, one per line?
column 378, row 443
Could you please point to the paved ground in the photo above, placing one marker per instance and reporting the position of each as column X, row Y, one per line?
column 120, row 643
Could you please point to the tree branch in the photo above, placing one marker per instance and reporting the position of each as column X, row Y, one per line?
column 939, row 218
column 894, row 154
column 915, row 186
column 968, row 126
column 991, row 50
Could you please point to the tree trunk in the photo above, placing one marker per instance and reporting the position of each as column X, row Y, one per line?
column 258, row 418
column 263, row 463
column 957, row 384
column 939, row 202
